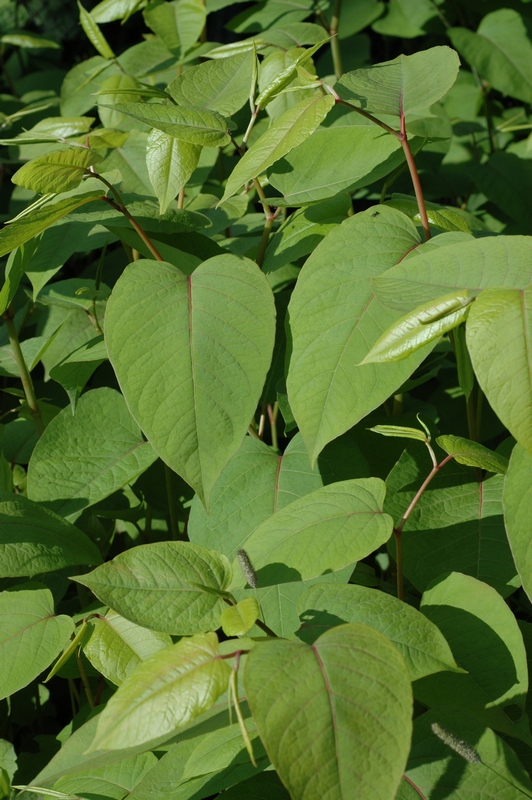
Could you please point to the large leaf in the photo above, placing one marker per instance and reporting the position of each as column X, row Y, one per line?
column 178, row 23
column 31, row 636
column 465, row 756
column 82, row 458
column 335, row 717
column 25, row 228
column 34, row 539
column 159, row 586
column 335, row 318
column 486, row 641
column 223, row 85
column 287, row 132
column 203, row 345
column 500, row 51
column 420, row 642
column 193, row 125
column 499, row 332
column 166, row 691
column 322, row 532
column 117, row 646
column 257, row 482
column 457, row 524
column 112, row 781
column 406, row 84
column 517, row 502
column 453, row 261
column 170, row 164
column 313, row 171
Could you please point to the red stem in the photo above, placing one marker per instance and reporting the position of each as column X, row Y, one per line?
column 415, row 179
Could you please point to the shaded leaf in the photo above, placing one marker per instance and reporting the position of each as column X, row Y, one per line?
column 94, row 34
column 170, row 164
column 517, row 502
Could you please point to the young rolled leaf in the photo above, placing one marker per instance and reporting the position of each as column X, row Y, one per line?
column 286, row 76
column 406, row 84
column 159, row 585
column 423, row 325
column 473, row 454
column 498, row 338
column 164, row 693
column 94, row 34
column 400, row 432
column 287, row 132
column 355, row 683
column 194, row 125
column 203, row 343
column 56, row 172
column 31, row 636
column 238, row 620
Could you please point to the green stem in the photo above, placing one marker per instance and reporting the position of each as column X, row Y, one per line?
column 23, row 371
column 268, row 223
column 415, row 180
column 273, row 414
column 171, row 493
column 85, row 680
column 335, row 42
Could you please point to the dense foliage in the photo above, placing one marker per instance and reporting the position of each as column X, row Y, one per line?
column 266, row 422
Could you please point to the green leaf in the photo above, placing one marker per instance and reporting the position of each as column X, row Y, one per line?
column 178, row 23
column 406, row 18
column 111, row 781
column 322, row 532
column 56, row 172
column 517, row 501
column 444, row 217
column 74, row 371
column 355, row 683
column 165, row 692
column 287, row 132
column 82, row 458
column 238, row 620
column 313, row 171
column 486, row 641
column 193, row 125
column 28, row 40
column 31, row 636
column 257, row 482
column 8, row 758
column 162, row 329
column 334, row 319
column 400, row 432
column 498, row 773
column 117, row 646
column 223, row 85
column 421, row 326
column 94, row 34
column 266, row 786
column 16, row 266
column 500, row 51
column 34, row 539
column 157, row 586
column 283, row 78
column 404, row 85
column 473, row 454
column 23, row 229
column 421, row 643
column 170, row 164
column 111, row 10
column 456, row 525
column 498, row 336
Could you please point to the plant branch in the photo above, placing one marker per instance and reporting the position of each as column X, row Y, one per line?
column 415, row 179
column 23, row 371
column 119, row 206
column 335, row 42
column 416, row 788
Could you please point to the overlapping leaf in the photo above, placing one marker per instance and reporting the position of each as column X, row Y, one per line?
column 203, row 344
column 517, row 502
column 194, row 125
column 223, row 85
